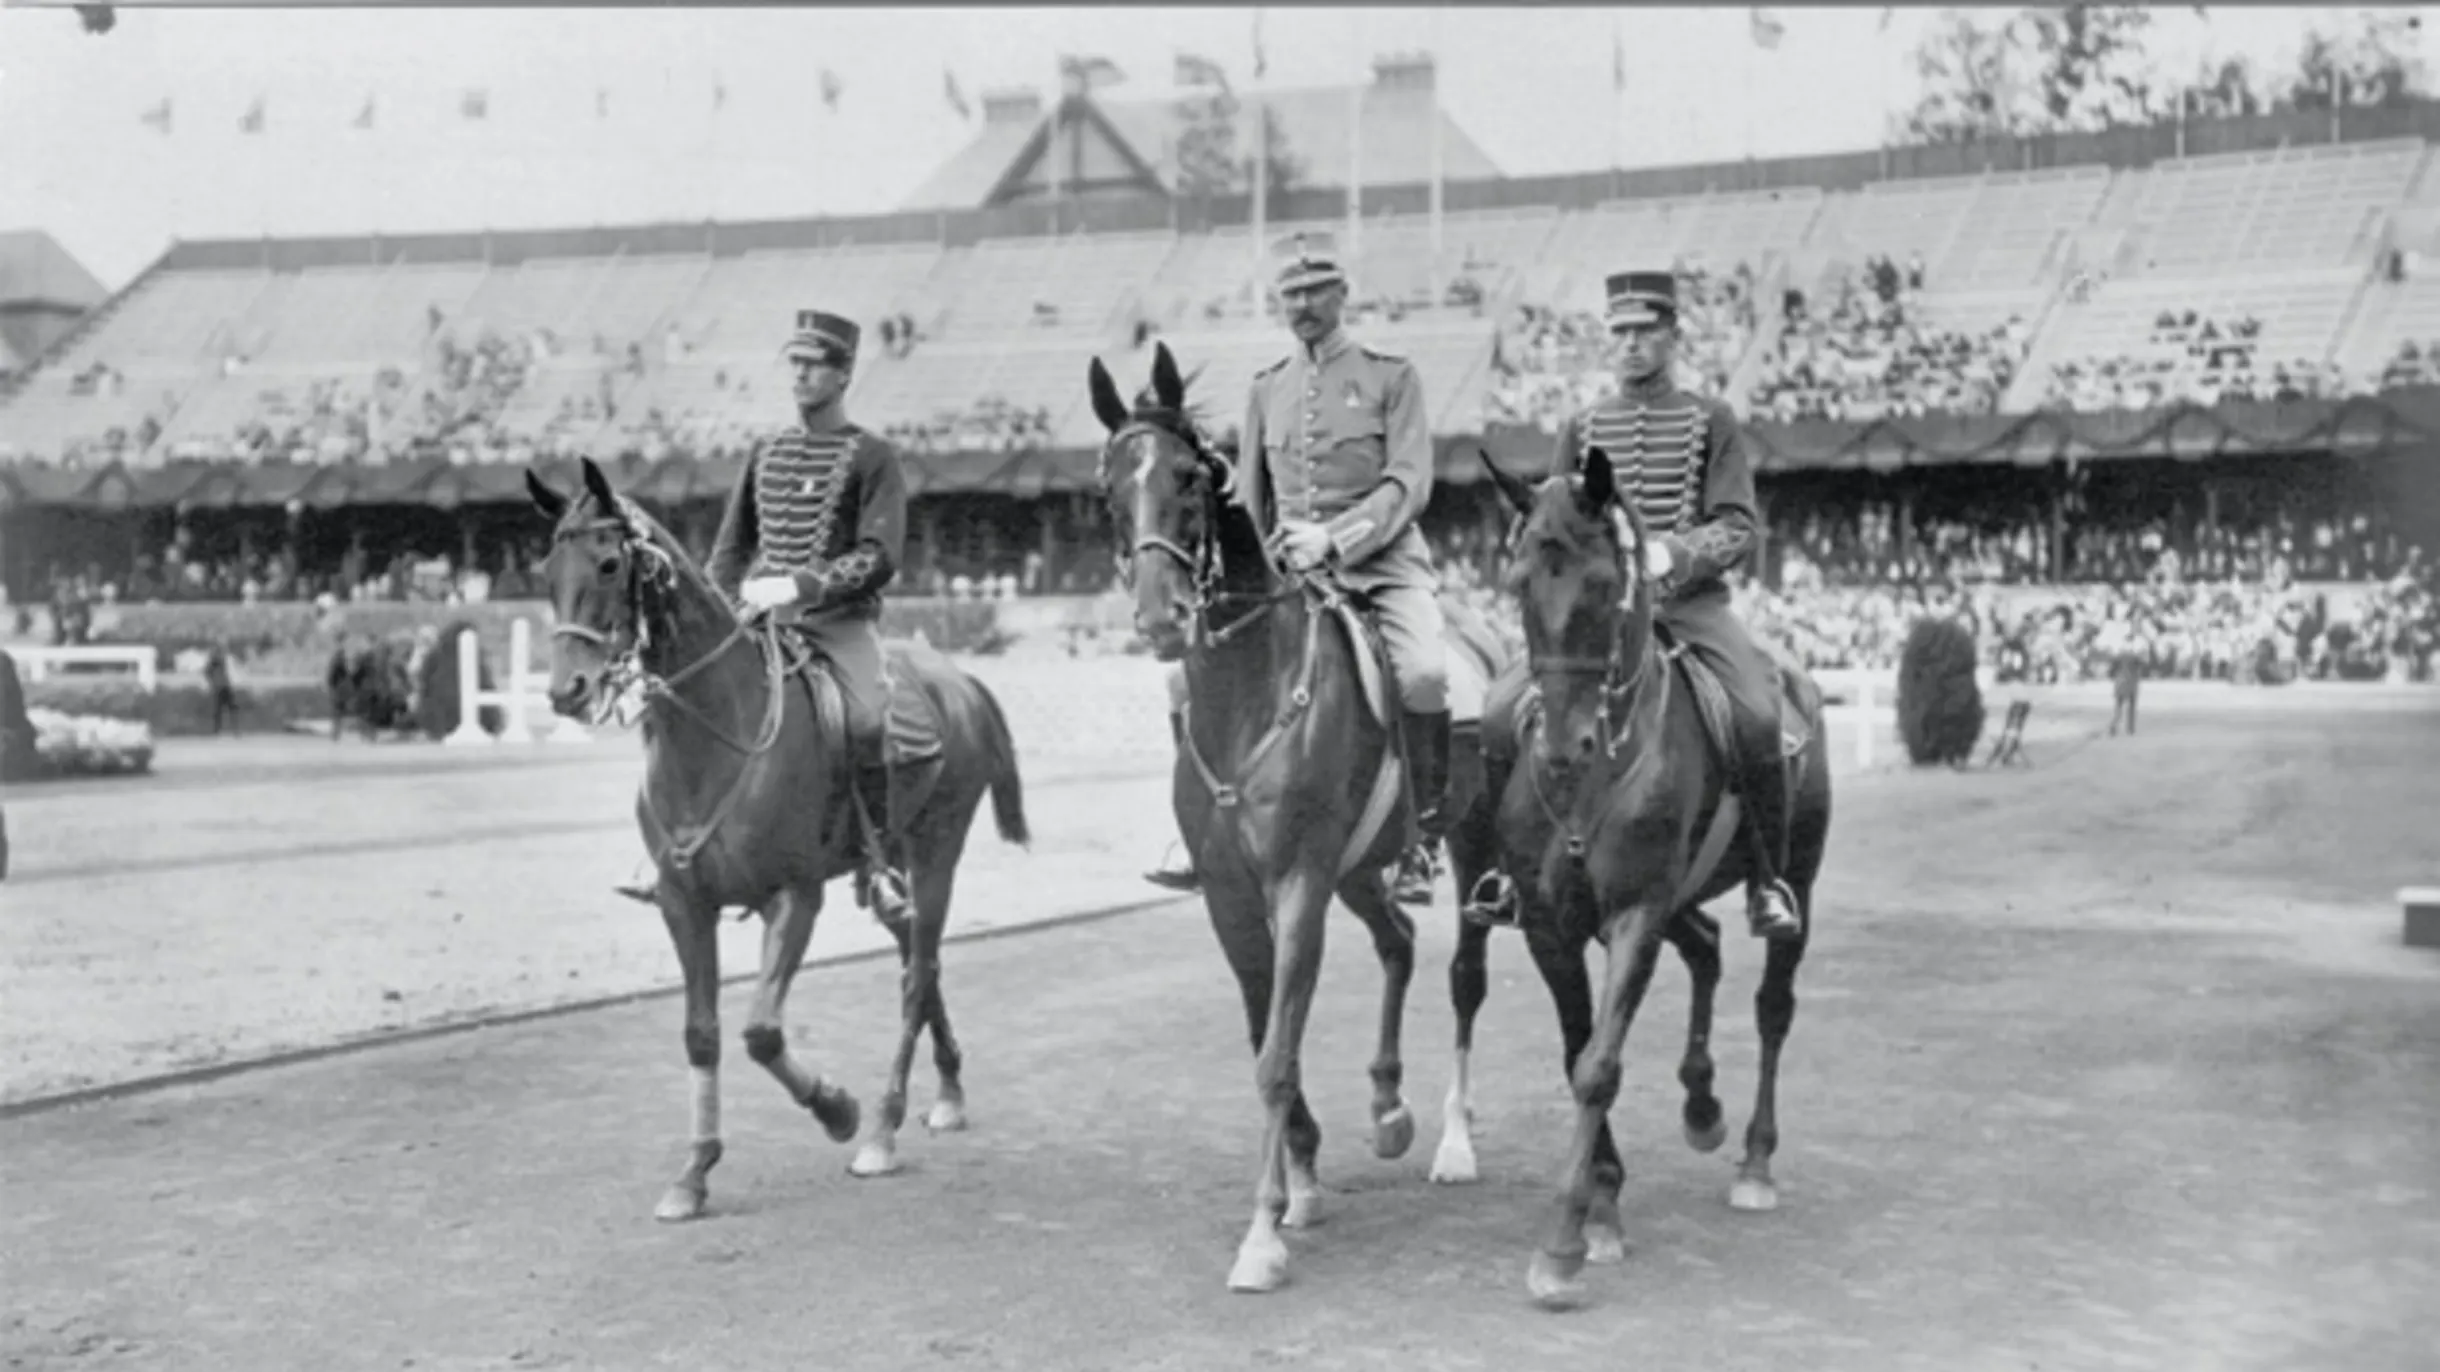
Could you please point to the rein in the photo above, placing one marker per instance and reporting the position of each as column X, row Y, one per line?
column 1613, row 721
column 627, row 671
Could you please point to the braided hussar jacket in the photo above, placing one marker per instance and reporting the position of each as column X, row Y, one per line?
column 828, row 509
column 1681, row 458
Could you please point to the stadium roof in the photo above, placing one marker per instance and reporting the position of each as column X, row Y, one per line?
column 1127, row 145
column 35, row 270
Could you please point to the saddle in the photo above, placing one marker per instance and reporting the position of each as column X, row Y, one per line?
column 912, row 729
column 1516, row 704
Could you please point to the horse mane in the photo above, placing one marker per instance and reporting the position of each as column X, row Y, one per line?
column 655, row 540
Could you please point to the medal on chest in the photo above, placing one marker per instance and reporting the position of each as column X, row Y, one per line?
column 1355, row 396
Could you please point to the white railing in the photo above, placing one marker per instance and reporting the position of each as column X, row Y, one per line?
column 39, row 662
column 524, row 689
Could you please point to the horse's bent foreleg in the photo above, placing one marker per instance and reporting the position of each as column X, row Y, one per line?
column 1393, row 934
column 1774, row 1012
column 1559, row 957
column 787, row 929
column 693, row 931
column 1553, row 1277
column 1697, row 939
column 1300, row 902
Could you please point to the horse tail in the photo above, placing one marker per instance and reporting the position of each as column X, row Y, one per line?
column 1007, row 788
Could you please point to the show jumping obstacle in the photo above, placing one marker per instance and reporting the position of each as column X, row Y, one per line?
column 525, row 689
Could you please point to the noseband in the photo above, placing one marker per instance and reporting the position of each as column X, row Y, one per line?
column 1621, row 681
column 1203, row 565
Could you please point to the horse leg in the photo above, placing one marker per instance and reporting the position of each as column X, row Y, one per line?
column 1697, row 938
column 1300, row 901
column 934, row 880
column 1553, row 1276
column 787, row 928
column 1559, row 957
column 1469, row 984
column 918, row 996
column 694, row 930
column 1393, row 934
column 1774, row 1012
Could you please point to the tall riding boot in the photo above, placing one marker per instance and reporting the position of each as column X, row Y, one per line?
column 1770, row 904
column 1182, row 877
column 883, row 879
column 1427, row 751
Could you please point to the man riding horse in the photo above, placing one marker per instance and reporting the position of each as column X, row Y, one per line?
column 1681, row 458
column 1335, row 461
column 814, row 529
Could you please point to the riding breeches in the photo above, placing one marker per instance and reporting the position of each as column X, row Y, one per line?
column 853, row 649
column 1410, row 624
column 1707, row 627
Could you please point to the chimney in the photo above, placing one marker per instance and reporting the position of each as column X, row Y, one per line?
column 1403, row 71
column 1016, row 105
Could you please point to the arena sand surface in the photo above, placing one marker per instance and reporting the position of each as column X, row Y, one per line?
column 2113, row 1062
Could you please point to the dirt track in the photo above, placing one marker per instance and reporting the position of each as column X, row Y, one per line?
column 2113, row 1063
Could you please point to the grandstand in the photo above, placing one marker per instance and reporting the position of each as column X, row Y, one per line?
column 658, row 339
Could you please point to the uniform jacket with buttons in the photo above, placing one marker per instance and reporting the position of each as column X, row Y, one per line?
column 1681, row 458
column 1337, row 436
column 826, row 509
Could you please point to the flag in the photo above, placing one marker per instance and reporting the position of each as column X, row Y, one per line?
column 1618, row 61
column 475, row 104
column 956, row 97
column 1200, row 71
column 1890, row 12
column 1089, row 73
column 601, row 102
column 1766, row 28
column 252, row 121
column 157, row 117
column 720, row 95
column 1262, row 64
column 364, row 117
column 831, row 89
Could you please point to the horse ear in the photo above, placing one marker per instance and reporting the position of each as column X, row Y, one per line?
column 1167, row 386
column 1107, row 407
column 1600, row 481
column 550, row 502
column 1514, row 489
column 598, row 486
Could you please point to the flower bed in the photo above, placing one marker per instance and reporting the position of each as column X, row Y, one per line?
column 182, row 707
column 67, row 745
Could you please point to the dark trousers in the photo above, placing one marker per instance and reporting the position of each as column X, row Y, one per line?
column 224, row 707
column 1705, row 625
column 853, row 649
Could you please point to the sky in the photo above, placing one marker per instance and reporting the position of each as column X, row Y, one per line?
column 1531, row 85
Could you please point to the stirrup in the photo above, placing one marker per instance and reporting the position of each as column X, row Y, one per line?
column 644, row 890
column 1180, row 878
column 1417, row 870
column 886, row 892
column 1771, row 913
column 1492, row 903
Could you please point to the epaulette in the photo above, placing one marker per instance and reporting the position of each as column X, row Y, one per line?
column 1380, row 354
column 1273, row 367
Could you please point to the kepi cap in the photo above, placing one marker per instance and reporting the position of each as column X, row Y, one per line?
column 823, row 337
column 1639, row 299
column 1307, row 260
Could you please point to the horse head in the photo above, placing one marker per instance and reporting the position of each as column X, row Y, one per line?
column 1577, row 569
column 609, row 576
column 1169, row 494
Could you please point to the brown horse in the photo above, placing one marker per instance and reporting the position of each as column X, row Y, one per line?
column 1616, row 822
column 745, row 799
column 1290, row 777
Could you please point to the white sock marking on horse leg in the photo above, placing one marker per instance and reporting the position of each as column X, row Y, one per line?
column 707, row 1103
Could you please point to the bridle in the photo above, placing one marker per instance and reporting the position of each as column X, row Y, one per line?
column 652, row 574
column 1205, row 570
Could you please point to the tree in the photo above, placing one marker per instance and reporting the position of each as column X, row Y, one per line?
column 2088, row 63
column 1975, row 82
column 1211, row 141
column 2372, row 59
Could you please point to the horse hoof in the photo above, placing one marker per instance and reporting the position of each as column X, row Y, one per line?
column 875, row 1159
column 838, row 1113
column 1304, row 1209
column 1260, row 1267
column 1394, row 1133
column 679, row 1204
column 1604, row 1246
column 1553, row 1282
column 1752, row 1194
column 1707, row 1140
column 1453, row 1165
column 947, row 1117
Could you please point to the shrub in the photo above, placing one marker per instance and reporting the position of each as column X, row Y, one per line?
column 1940, row 708
column 182, row 708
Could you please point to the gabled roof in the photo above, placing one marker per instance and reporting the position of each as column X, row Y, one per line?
column 1315, row 125
column 34, row 269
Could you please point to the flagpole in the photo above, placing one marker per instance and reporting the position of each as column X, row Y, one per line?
column 1439, row 13
column 1618, row 94
column 1050, row 146
column 1355, row 150
column 1262, row 151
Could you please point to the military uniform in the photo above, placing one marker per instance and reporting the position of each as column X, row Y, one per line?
column 829, row 510
column 1337, row 435
column 1682, row 460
